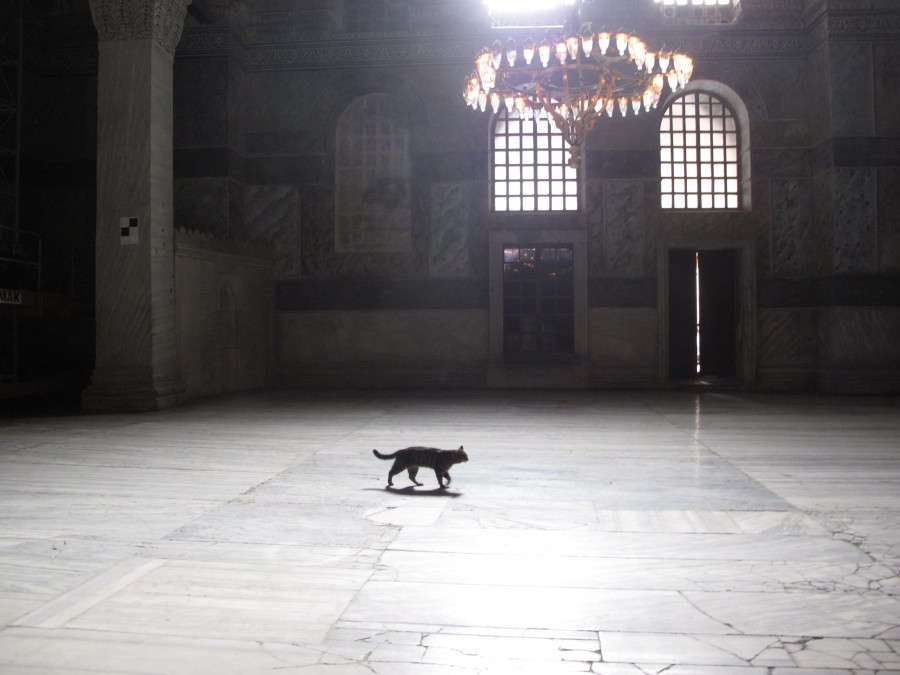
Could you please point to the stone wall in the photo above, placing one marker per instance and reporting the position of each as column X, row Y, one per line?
column 260, row 95
column 225, row 314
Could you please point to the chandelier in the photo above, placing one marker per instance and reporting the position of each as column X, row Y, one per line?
column 576, row 79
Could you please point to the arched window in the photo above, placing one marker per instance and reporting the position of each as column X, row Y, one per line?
column 372, row 177
column 529, row 166
column 700, row 154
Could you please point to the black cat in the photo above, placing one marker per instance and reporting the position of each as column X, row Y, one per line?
column 433, row 458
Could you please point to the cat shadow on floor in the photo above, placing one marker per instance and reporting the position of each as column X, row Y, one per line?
column 413, row 492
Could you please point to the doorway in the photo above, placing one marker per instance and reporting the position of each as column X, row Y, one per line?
column 538, row 303
column 703, row 313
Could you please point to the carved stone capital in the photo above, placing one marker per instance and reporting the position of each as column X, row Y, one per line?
column 159, row 20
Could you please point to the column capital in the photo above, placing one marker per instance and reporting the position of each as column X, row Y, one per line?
column 159, row 20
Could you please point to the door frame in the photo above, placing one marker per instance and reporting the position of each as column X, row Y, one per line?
column 502, row 374
column 746, row 315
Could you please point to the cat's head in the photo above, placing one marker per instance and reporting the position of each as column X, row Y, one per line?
column 463, row 457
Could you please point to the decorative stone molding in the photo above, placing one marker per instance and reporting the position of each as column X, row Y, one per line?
column 246, row 248
column 205, row 42
column 864, row 24
column 159, row 20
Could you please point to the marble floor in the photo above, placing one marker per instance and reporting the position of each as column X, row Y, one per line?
column 619, row 533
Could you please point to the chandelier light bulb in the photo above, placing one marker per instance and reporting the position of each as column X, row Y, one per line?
column 528, row 51
column 638, row 51
column 623, row 106
column 635, row 105
column 561, row 52
column 664, row 61
column 649, row 61
column 495, row 102
column 520, row 104
column 603, row 42
column 599, row 105
column 470, row 93
column 587, row 43
column 497, row 55
column 621, row 43
column 544, row 53
column 482, row 100
column 486, row 73
column 509, row 102
column 672, row 77
column 610, row 106
column 647, row 99
column 572, row 47
column 511, row 53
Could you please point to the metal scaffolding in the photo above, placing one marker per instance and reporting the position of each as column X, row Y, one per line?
column 18, row 255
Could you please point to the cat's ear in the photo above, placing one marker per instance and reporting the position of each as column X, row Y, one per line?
column 460, row 447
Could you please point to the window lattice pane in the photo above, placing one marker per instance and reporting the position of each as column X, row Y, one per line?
column 529, row 166
column 710, row 153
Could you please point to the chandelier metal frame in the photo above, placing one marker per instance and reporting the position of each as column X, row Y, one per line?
column 575, row 79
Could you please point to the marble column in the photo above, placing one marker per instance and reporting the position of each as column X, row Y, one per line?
column 136, row 361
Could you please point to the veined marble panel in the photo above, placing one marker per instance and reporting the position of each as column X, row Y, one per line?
column 572, row 571
column 625, row 241
column 629, row 545
column 31, row 650
column 556, row 608
column 852, row 95
column 451, row 221
column 853, row 248
column 793, row 254
column 593, row 215
column 821, row 614
column 272, row 213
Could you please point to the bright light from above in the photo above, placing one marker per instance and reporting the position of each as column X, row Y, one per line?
column 524, row 6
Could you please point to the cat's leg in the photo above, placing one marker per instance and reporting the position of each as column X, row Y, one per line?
column 437, row 472
column 447, row 476
column 395, row 469
column 412, row 471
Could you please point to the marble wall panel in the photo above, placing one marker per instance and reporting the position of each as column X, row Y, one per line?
column 624, row 337
column 382, row 338
column 321, row 259
column 783, row 86
column 201, row 102
column 225, row 316
column 853, row 247
column 787, row 337
column 793, row 254
column 859, row 337
column 203, row 204
column 272, row 213
column 781, row 133
column 887, row 96
column 593, row 216
column 819, row 110
column 625, row 229
column 851, row 91
column 451, row 224
column 888, row 199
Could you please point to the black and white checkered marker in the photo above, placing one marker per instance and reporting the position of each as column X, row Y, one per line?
column 128, row 230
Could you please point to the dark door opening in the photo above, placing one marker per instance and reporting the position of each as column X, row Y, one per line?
column 538, row 303
column 703, row 313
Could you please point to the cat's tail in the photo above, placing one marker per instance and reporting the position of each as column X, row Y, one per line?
column 380, row 456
